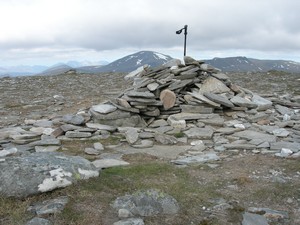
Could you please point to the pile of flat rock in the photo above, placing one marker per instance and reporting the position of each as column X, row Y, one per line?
column 193, row 107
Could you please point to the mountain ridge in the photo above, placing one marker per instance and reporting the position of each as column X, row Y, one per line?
column 153, row 59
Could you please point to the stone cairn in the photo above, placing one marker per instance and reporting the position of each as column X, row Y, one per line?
column 176, row 92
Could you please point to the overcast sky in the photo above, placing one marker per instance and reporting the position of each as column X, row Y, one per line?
column 51, row 31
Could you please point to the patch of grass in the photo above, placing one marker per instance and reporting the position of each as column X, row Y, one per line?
column 179, row 135
column 13, row 211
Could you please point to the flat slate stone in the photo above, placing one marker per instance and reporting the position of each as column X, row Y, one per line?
column 205, row 99
column 213, row 85
column 107, row 163
column 104, row 108
column 250, row 135
column 38, row 221
column 51, row 206
column 219, row 99
column 262, row 103
column 73, row 119
column 254, row 219
column 74, row 134
column 146, row 94
column 294, row 146
column 206, row 157
column 99, row 126
column 242, row 102
column 200, row 133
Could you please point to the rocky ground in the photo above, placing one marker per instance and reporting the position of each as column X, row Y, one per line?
column 223, row 179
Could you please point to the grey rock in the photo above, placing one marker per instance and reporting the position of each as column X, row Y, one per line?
column 143, row 144
column 196, row 109
column 107, row 163
column 254, row 219
column 240, row 146
column 69, row 127
column 250, row 135
column 52, row 206
column 294, row 146
column 73, row 119
column 147, row 203
column 165, row 139
column 101, row 127
column 75, row 134
column 152, row 86
column 220, row 76
column 124, row 213
column 41, row 172
column 257, row 117
column 213, row 85
column 43, row 123
column 204, row 99
column 46, row 148
column 98, row 146
column 281, row 132
column 203, row 158
column 38, row 221
column 91, row 151
column 159, row 123
column 146, row 94
column 242, row 102
column 283, row 110
column 104, row 108
column 262, row 103
column 214, row 121
column 190, row 61
column 199, row 133
column 269, row 213
column 131, row 135
column 130, row 221
column 46, row 142
column 219, row 99
column 7, row 152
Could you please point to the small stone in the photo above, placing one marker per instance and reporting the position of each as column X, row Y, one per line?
column 38, row 221
column 130, row 221
column 131, row 135
column 104, row 108
column 143, row 144
column 74, row 134
column 91, row 151
column 124, row 213
column 254, row 219
column 49, row 206
column 46, row 148
column 98, row 146
column 107, row 163
column 73, row 119
column 199, row 133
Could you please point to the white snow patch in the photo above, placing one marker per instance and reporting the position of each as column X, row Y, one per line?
column 58, row 179
column 88, row 173
column 139, row 62
column 161, row 56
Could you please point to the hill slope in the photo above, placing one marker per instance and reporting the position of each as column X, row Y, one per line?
column 244, row 64
column 134, row 61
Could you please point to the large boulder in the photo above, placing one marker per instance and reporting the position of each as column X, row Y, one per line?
column 42, row 172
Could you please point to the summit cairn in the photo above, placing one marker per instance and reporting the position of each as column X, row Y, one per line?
column 177, row 90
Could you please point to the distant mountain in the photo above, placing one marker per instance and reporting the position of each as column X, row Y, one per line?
column 56, row 69
column 22, row 70
column 244, row 64
column 134, row 61
column 76, row 64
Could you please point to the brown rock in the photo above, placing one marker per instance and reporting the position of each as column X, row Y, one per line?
column 168, row 98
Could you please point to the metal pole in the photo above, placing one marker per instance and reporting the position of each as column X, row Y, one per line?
column 185, row 34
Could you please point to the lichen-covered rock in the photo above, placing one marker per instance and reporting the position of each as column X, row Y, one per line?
column 147, row 203
column 42, row 172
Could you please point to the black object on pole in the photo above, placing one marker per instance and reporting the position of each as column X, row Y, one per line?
column 185, row 33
